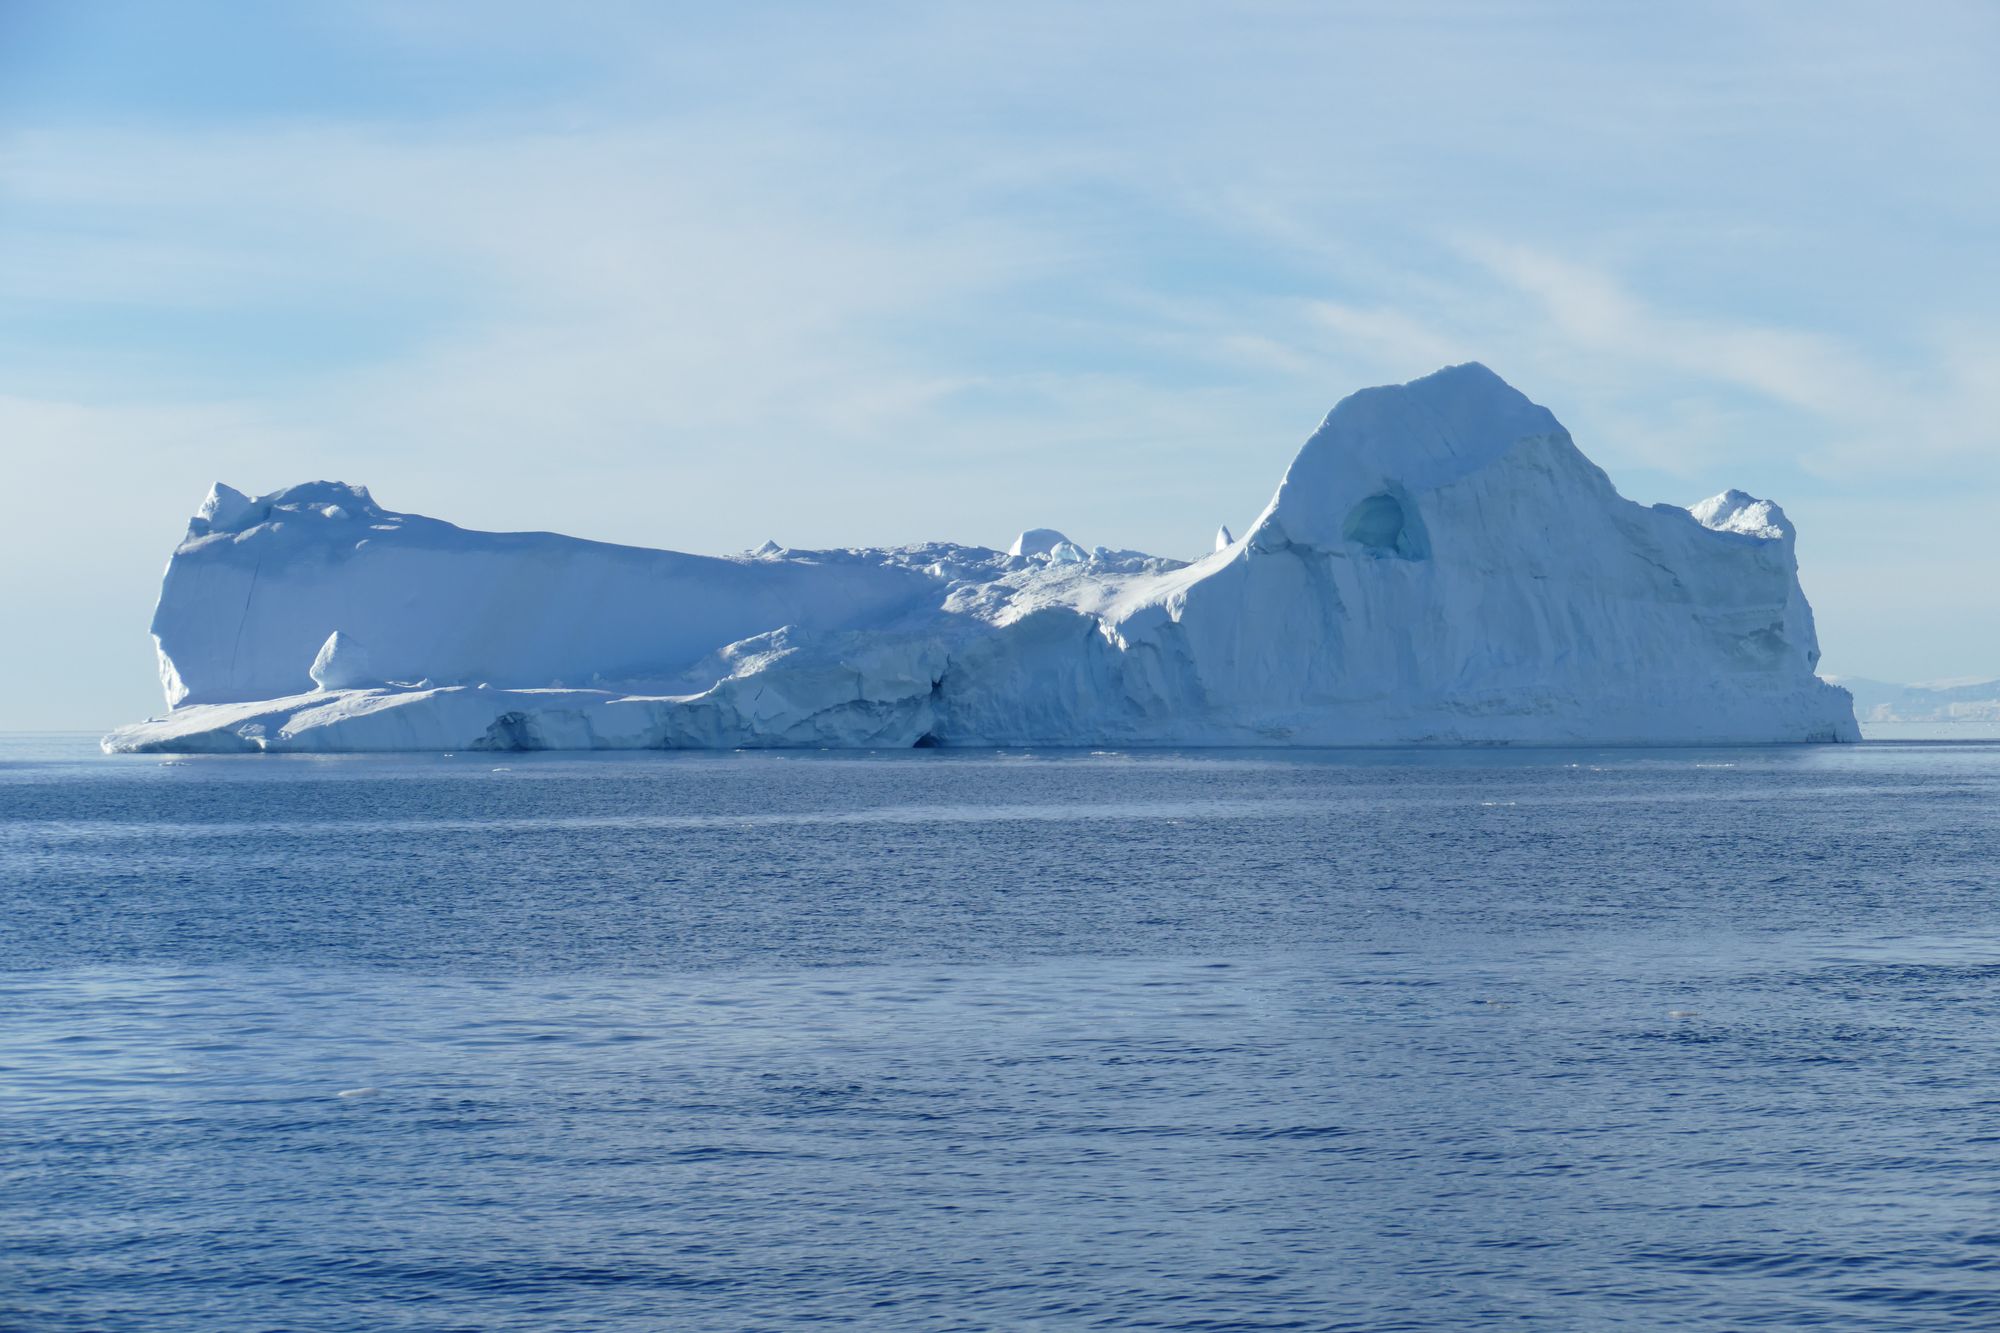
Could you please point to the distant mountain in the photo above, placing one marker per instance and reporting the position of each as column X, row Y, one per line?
column 1941, row 701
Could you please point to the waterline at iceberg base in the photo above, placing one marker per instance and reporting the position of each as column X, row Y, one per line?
column 1440, row 566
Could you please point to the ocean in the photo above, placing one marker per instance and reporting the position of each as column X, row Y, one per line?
column 1493, row 1039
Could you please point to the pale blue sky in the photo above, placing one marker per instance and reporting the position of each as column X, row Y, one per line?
column 694, row 276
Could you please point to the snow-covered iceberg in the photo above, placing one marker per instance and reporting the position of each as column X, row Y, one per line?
column 1440, row 565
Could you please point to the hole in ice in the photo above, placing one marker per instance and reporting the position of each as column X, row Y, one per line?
column 1376, row 521
column 1381, row 524
column 510, row 731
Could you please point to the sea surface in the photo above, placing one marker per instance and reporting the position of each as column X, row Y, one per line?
column 1668, row 1039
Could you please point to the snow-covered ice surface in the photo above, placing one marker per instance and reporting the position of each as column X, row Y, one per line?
column 1440, row 566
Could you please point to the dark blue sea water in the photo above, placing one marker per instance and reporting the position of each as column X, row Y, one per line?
column 1492, row 1040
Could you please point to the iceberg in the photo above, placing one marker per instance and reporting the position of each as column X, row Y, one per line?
column 1440, row 566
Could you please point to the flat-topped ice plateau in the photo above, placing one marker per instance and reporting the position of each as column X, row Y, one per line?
column 1440, row 566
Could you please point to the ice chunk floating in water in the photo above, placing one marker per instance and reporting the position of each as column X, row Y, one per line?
column 1440, row 565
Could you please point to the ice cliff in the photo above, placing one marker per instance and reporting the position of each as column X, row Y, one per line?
column 1440, row 565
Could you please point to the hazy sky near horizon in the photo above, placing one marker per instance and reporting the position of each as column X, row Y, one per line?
column 698, row 275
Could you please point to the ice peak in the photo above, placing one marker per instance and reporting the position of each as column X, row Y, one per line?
column 223, row 507
column 1223, row 541
column 1739, row 511
column 340, row 664
column 1457, row 418
column 229, row 510
column 1038, row 541
column 1459, row 378
column 1403, row 440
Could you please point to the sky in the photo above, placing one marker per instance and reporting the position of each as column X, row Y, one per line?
column 695, row 276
